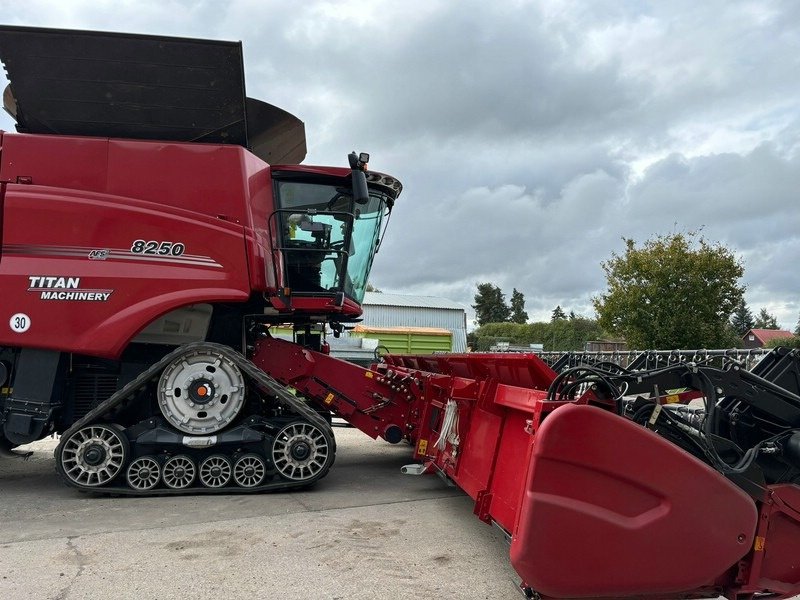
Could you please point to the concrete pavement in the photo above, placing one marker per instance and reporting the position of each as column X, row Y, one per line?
column 365, row 531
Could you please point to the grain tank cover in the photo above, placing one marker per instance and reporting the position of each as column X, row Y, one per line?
column 121, row 85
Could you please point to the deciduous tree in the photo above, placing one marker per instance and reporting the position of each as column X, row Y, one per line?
column 792, row 342
column 673, row 291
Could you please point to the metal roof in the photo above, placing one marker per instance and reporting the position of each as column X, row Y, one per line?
column 381, row 299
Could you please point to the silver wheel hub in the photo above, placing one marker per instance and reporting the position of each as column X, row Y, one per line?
column 201, row 393
column 249, row 471
column 179, row 472
column 94, row 455
column 300, row 451
column 144, row 473
column 215, row 471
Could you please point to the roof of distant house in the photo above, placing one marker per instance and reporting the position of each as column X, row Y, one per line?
column 765, row 335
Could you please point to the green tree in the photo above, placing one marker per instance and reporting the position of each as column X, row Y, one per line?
column 472, row 340
column 490, row 305
column 792, row 342
column 372, row 288
column 572, row 334
column 555, row 335
column 488, row 335
column 797, row 328
column 558, row 314
column 518, row 314
column 675, row 291
column 742, row 319
column 765, row 320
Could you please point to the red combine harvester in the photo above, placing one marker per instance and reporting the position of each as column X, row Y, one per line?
column 156, row 226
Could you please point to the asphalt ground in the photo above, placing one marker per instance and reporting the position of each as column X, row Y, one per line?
column 364, row 531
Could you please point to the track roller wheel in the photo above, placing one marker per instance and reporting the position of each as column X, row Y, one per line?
column 302, row 452
column 144, row 473
column 215, row 471
column 94, row 455
column 179, row 472
column 249, row 471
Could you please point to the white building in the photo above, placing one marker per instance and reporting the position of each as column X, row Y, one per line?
column 396, row 310
column 401, row 311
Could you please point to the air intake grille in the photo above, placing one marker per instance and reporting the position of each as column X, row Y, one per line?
column 91, row 389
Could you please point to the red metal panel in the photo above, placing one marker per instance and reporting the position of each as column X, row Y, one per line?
column 611, row 509
column 203, row 178
column 510, row 470
column 479, row 450
column 778, row 552
column 261, row 204
column 59, row 161
column 523, row 370
column 518, row 398
column 84, row 242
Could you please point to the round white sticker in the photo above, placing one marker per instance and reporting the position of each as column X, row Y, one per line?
column 20, row 323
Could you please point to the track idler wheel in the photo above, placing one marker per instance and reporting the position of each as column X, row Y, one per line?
column 303, row 452
column 94, row 455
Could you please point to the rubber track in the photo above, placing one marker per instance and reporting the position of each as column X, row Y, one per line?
column 106, row 410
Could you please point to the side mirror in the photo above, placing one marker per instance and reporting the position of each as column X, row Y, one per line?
column 358, row 165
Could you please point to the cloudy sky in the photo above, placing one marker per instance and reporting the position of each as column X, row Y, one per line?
column 530, row 136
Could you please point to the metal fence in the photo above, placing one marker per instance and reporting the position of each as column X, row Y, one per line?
column 651, row 359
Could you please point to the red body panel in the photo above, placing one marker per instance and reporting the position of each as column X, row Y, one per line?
column 77, row 211
column 774, row 563
column 607, row 501
column 98, row 305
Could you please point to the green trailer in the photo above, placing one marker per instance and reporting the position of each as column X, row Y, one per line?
column 407, row 340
